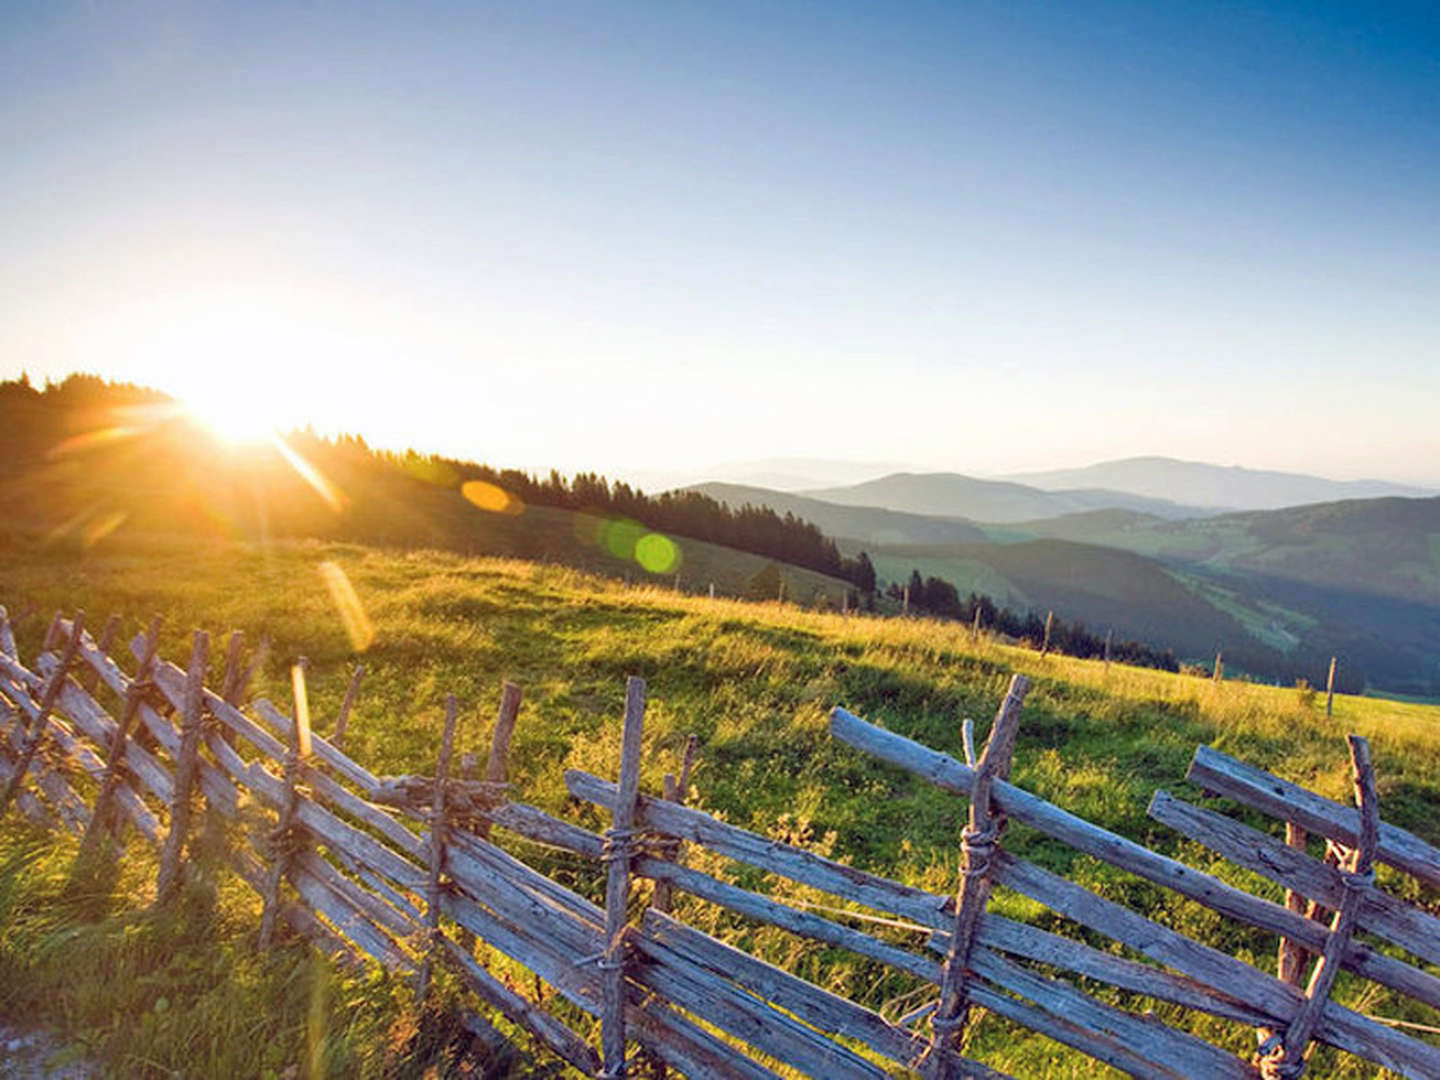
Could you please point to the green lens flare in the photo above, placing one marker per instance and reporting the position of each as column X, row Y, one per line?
column 656, row 553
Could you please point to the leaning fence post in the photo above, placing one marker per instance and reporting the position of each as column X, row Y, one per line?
column 186, row 767
column 619, row 841
column 343, row 720
column 35, row 732
column 1330, row 689
column 1283, row 1058
column 1049, row 625
column 115, row 753
column 497, row 765
column 978, row 841
column 437, row 848
column 282, row 840
column 675, row 790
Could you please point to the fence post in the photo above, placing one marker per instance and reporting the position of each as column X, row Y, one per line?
column 111, row 778
column 1330, row 690
column 619, row 840
column 282, row 840
column 35, row 733
column 1290, row 963
column 664, row 899
column 186, row 767
column 343, row 720
column 437, row 849
column 978, row 841
column 1219, row 672
column 1049, row 625
column 975, row 626
column 1283, row 1057
column 7, row 634
column 1108, row 634
column 497, row 764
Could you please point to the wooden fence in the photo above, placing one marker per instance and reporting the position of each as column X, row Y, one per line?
column 406, row 871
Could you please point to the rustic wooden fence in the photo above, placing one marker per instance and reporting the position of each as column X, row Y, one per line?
column 406, row 871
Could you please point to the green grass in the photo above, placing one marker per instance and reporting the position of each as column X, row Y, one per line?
column 754, row 681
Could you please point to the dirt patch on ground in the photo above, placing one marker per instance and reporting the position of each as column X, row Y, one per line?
column 26, row 1053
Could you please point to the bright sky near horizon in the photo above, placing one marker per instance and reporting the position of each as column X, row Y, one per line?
column 981, row 236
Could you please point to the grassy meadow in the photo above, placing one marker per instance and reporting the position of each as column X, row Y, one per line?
column 185, row 994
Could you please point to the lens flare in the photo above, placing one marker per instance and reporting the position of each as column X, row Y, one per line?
column 358, row 627
column 302, row 710
column 336, row 499
column 489, row 497
column 656, row 553
column 101, row 527
column 619, row 537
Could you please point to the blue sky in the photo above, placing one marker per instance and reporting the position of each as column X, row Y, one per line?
column 979, row 237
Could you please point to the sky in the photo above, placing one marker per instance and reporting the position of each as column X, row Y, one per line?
column 974, row 236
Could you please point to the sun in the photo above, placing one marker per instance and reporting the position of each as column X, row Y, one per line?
column 234, row 416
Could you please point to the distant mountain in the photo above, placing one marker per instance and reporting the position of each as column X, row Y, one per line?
column 1201, row 484
column 954, row 495
column 866, row 524
column 777, row 474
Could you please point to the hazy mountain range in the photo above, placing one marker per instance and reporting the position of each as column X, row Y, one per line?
column 1202, row 484
column 953, row 495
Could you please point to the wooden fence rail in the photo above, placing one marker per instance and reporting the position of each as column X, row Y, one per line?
column 405, row 871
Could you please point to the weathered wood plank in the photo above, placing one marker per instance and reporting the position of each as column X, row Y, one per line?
column 1162, row 1048
column 1389, row 916
column 168, row 878
column 817, row 1007
column 550, row 1031
column 1339, row 1026
column 948, row 774
column 1260, row 790
column 718, row 1001
column 792, row 862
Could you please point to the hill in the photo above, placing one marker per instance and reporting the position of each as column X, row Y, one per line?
column 753, row 681
column 1359, row 579
column 866, row 524
column 1101, row 587
column 1202, row 484
column 87, row 461
column 954, row 495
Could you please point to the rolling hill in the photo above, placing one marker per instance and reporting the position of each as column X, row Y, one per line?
column 866, row 524
column 1358, row 578
column 954, row 495
column 1202, row 484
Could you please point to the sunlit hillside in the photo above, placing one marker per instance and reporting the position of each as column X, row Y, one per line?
column 753, row 680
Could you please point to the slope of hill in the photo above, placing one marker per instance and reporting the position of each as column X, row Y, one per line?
column 1202, row 484
column 1380, row 547
column 108, row 460
column 1358, row 579
column 1100, row 586
column 954, row 495
column 867, row 524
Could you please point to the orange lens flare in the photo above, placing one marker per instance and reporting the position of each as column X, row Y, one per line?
column 358, row 627
column 336, row 499
column 78, row 444
column 489, row 497
column 101, row 527
column 302, row 710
